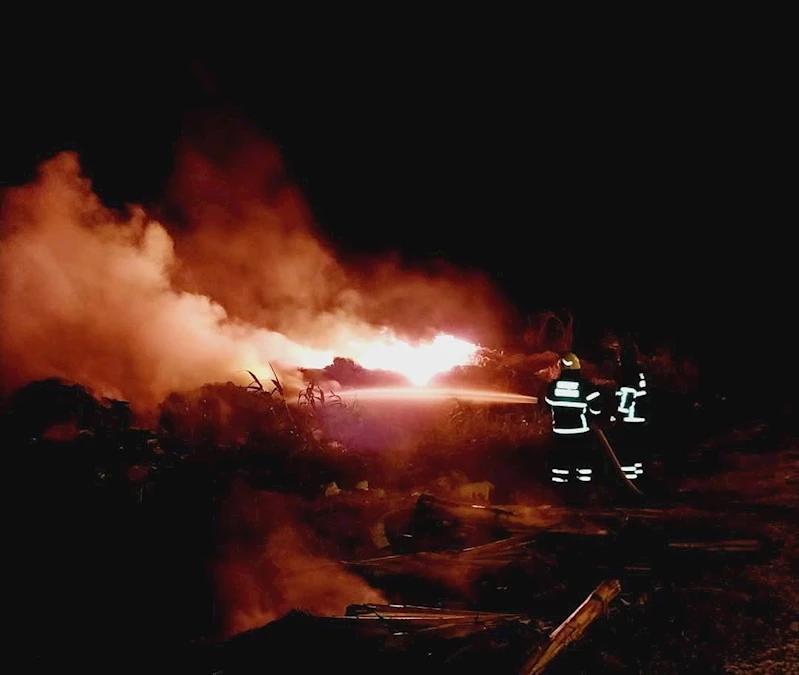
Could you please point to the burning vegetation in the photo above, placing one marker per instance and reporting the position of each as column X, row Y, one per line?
column 137, row 309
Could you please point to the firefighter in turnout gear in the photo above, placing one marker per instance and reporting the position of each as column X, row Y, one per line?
column 631, row 416
column 573, row 401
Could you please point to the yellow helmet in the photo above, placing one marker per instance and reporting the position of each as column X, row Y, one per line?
column 570, row 362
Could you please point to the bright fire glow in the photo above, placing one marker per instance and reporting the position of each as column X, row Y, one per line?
column 419, row 363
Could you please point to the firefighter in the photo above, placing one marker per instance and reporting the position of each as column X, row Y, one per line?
column 573, row 401
column 631, row 417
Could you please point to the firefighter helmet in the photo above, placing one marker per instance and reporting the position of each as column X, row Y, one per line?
column 570, row 362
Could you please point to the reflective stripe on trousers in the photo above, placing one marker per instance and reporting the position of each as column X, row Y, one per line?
column 562, row 475
column 632, row 471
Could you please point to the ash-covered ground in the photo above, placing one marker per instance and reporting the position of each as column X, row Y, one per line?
column 140, row 545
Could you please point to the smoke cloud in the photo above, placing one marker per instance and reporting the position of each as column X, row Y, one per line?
column 237, row 204
column 235, row 279
column 267, row 566
column 87, row 296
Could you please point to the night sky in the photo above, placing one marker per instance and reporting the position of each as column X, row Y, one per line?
column 657, row 185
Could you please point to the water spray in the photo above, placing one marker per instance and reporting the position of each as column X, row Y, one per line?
column 432, row 394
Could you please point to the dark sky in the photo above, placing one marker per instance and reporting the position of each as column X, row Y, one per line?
column 643, row 192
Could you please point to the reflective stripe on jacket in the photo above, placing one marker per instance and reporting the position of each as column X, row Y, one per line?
column 570, row 400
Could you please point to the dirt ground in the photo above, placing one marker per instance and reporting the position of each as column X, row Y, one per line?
column 703, row 615
column 762, row 636
column 719, row 619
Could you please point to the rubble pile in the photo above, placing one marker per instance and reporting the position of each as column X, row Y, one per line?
column 396, row 638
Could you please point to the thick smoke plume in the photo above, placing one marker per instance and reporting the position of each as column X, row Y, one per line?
column 87, row 296
column 237, row 204
column 136, row 308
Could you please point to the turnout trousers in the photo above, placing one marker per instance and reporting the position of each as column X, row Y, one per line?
column 574, row 461
column 631, row 444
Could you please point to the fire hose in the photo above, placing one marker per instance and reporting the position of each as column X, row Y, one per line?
column 614, row 460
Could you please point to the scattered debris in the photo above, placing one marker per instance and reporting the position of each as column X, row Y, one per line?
column 393, row 638
column 573, row 627
column 502, row 576
column 332, row 489
column 479, row 493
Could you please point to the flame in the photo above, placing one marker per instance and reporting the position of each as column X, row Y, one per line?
column 418, row 363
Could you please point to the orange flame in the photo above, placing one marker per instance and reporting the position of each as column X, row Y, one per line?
column 419, row 363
